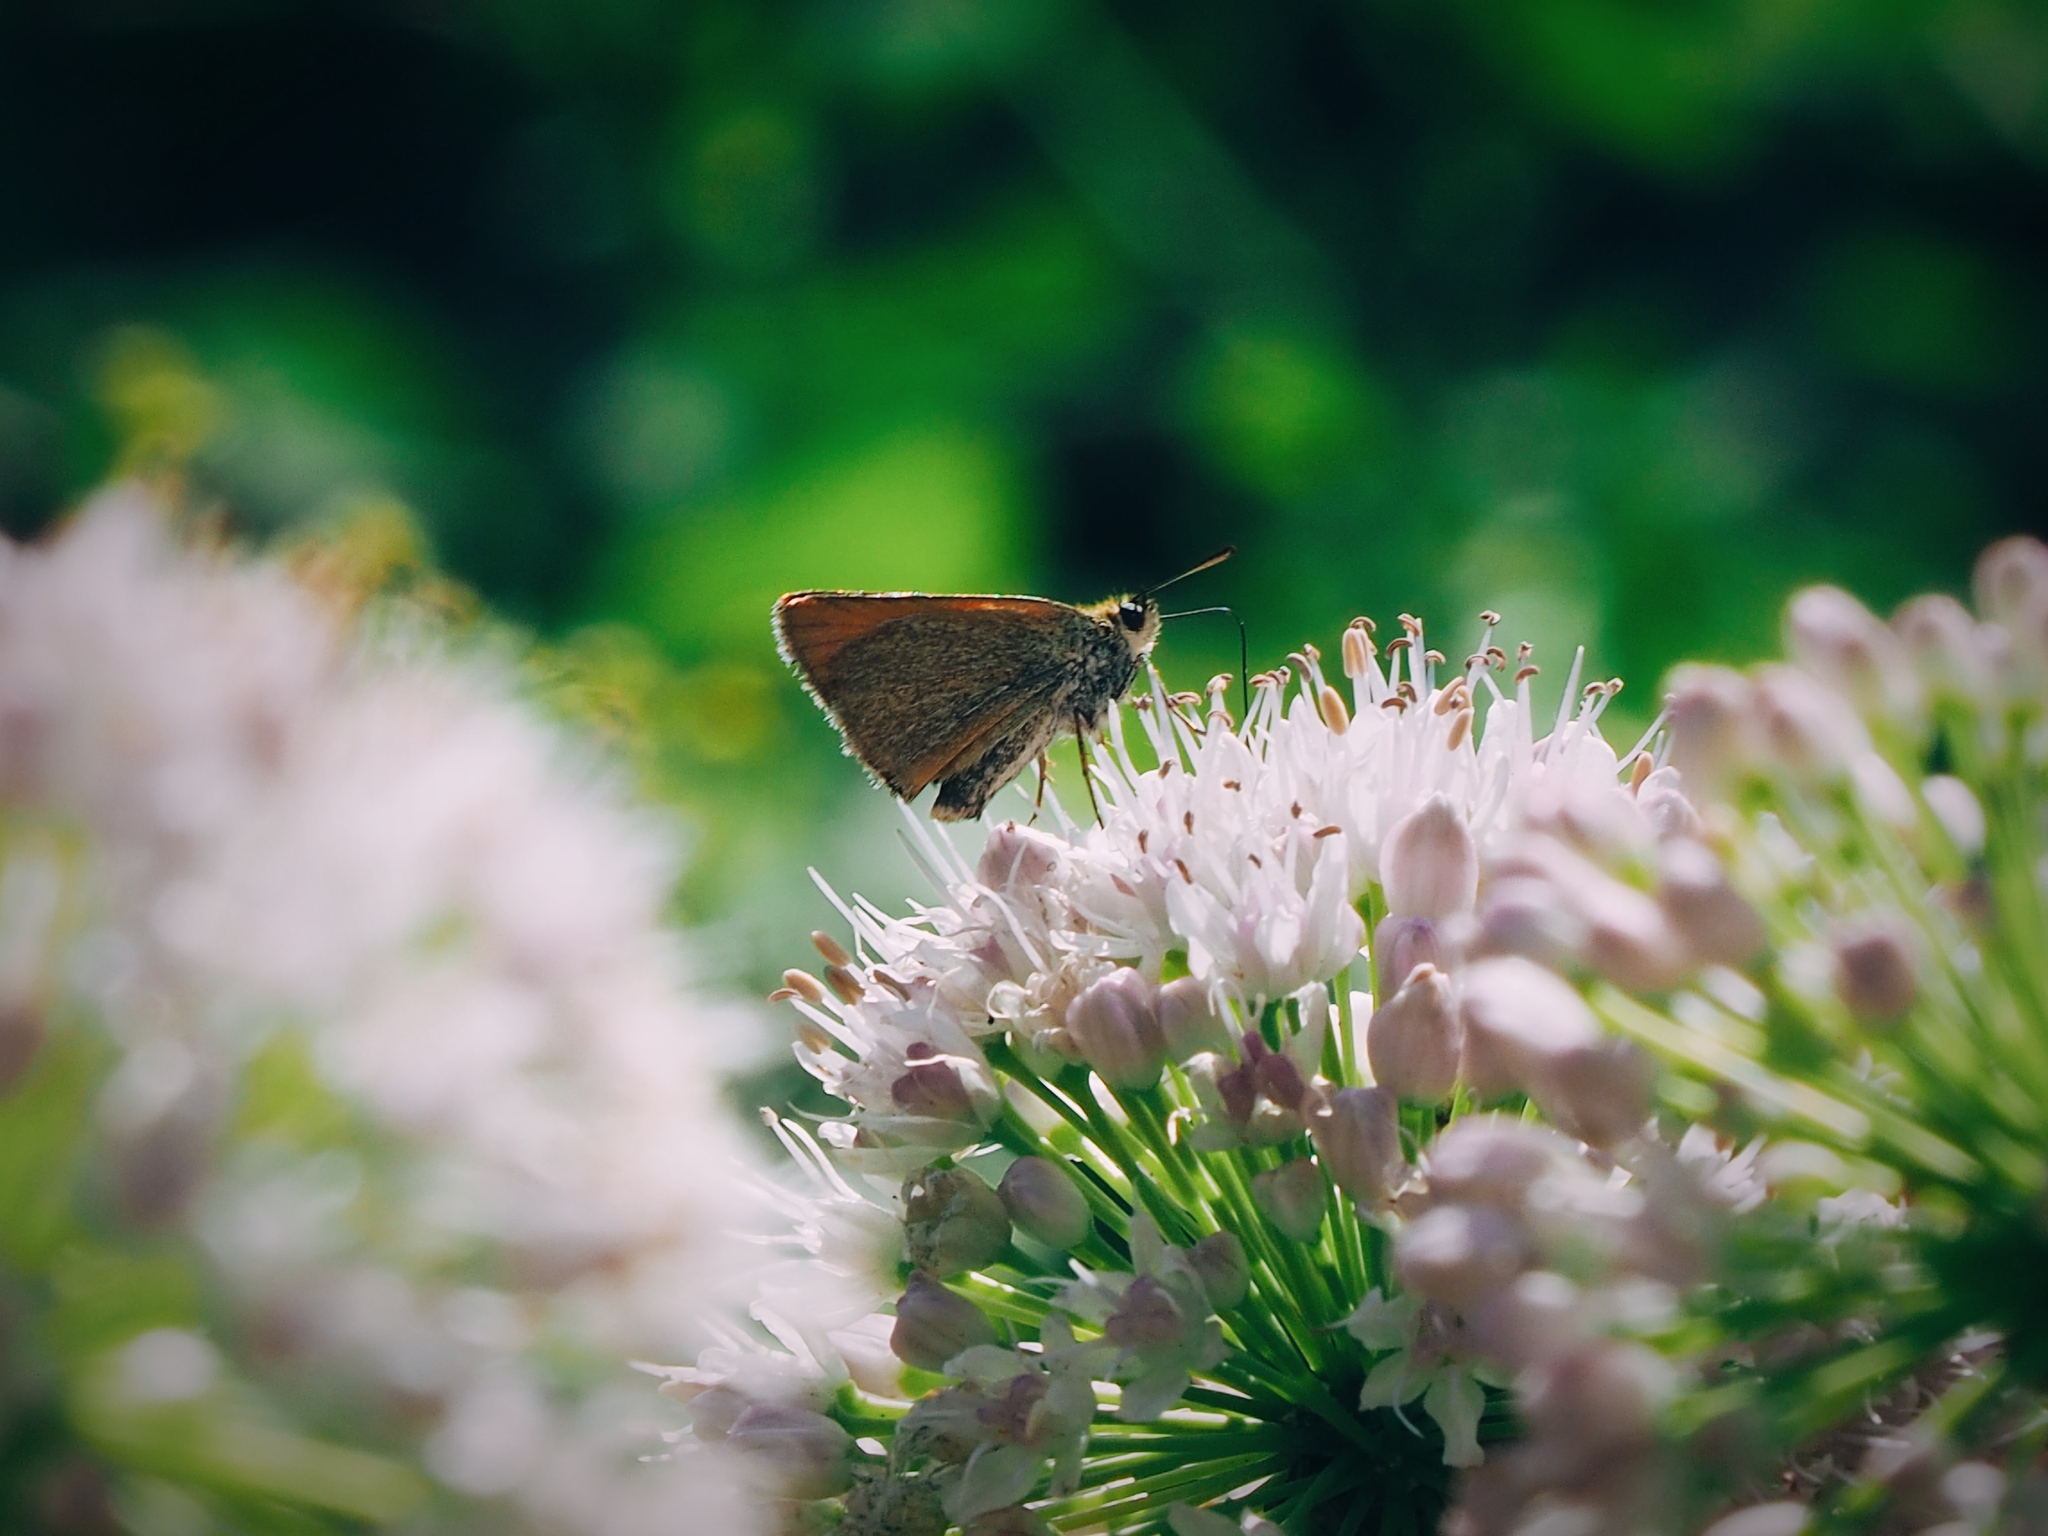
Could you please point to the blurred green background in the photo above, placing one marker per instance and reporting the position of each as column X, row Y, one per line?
column 1621, row 316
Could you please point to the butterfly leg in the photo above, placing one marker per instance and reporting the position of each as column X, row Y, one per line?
column 1087, row 776
column 1044, row 774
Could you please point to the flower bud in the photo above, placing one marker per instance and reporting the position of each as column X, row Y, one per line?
column 1599, row 1093
column 1016, row 858
column 1293, row 1197
column 1012, row 1520
column 1187, row 1021
column 934, row 1090
column 1807, row 728
column 1487, row 1160
column 1519, row 1018
column 1662, row 802
column 1601, row 1401
column 1538, row 1315
column 1955, row 806
column 1400, row 944
column 934, row 1324
column 1044, row 1202
column 1710, row 711
column 1415, row 1040
column 1429, row 865
column 1845, row 645
column 806, row 1454
column 1358, row 1142
column 1950, row 650
column 1628, row 939
column 1220, row 1262
column 1115, row 1025
column 1718, row 926
column 952, row 1222
column 1457, row 1253
column 2011, row 579
column 1780, row 1517
column 1877, row 969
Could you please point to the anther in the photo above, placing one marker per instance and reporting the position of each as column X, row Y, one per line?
column 812, row 1038
column 1496, row 658
column 1330, row 704
column 1525, row 674
column 1412, row 625
column 1183, row 868
column 803, row 984
column 1188, row 820
column 1488, row 617
column 833, row 951
column 844, row 983
column 1232, row 784
column 1123, row 885
column 1643, row 769
column 892, row 984
column 1401, row 644
column 1406, row 690
column 1323, row 832
column 1461, row 727
column 782, row 995
column 1256, row 862
column 1524, row 651
column 1448, row 699
column 1434, row 658
column 1358, row 651
column 1395, row 702
column 1362, row 622
column 1142, row 835
column 1295, row 810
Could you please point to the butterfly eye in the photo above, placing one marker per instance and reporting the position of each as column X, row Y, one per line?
column 1131, row 615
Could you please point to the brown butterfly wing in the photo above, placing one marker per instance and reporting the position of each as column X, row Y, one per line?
column 923, row 687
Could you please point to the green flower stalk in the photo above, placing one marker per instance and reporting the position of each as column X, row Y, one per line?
column 1179, row 1205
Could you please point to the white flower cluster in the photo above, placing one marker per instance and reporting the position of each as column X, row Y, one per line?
column 238, row 834
column 1224, row 893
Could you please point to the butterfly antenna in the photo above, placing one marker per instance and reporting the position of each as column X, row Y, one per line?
column 1218, row 558
column 1244, row 648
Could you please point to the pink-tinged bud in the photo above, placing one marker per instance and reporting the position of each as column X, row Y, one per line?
column 1016, row 858
column 1519, row 1019
column 1400, row 944
column 1455, row 1254
column 1628, row 939
column 1293, row 1197
column 1484, row 1160
column 1147, row 1317
column 1416, row 1039
column 1662, row 802
column 952, row 1222
column 1718, row 926
column 2011, row 579
column 1220, row 1262
column 1044, row 1202
column 1115, row 1026
column 805, row 1453
column 1601, row 1401
column 713, row 1410
column 1187, row 1021
column 1358, row 1141
column 1710, row 711
column 1877, row 967
column 1808, row 728
column 1599, row 1093
column 1539, row 1315
column 1847, row 647
column 1015, row 1520
column 934, row 1090
column 1956, row 807
column 1528, row 915
column 1953, row 654
column 1780, row 1517
column 933, row 1325
column 1429, row 865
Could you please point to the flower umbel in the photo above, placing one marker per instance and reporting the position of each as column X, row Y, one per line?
column 1165, row 1243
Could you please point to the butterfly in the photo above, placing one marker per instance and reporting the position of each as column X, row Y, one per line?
column 962, row 692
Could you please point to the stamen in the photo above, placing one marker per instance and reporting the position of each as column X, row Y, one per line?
column 1461, row 727
column 833, row 951
column 1412, row 625
column 1488, row 617
column 1330, row 705
column 892, row 984
column 1295, row 810
column 1434, row 658
column 1395, row 702
column 1182, row 867
column 1358, row 649
column 1406, row 690
column 1644, row 767
column 802, row 984
column 1401, row 644
column 845, row 984
column 1232, row 784
column 1256, row 863
column 1323, row 832
column 1188, row 821
column 1142, row 835
column 1526, row 673
column 812, row 1039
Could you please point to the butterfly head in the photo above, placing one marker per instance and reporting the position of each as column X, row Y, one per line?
column 1135, row 620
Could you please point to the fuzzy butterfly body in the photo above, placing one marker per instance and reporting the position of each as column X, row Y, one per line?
column 961, row 691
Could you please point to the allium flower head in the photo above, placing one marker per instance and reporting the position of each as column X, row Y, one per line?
column 1170, row 1257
